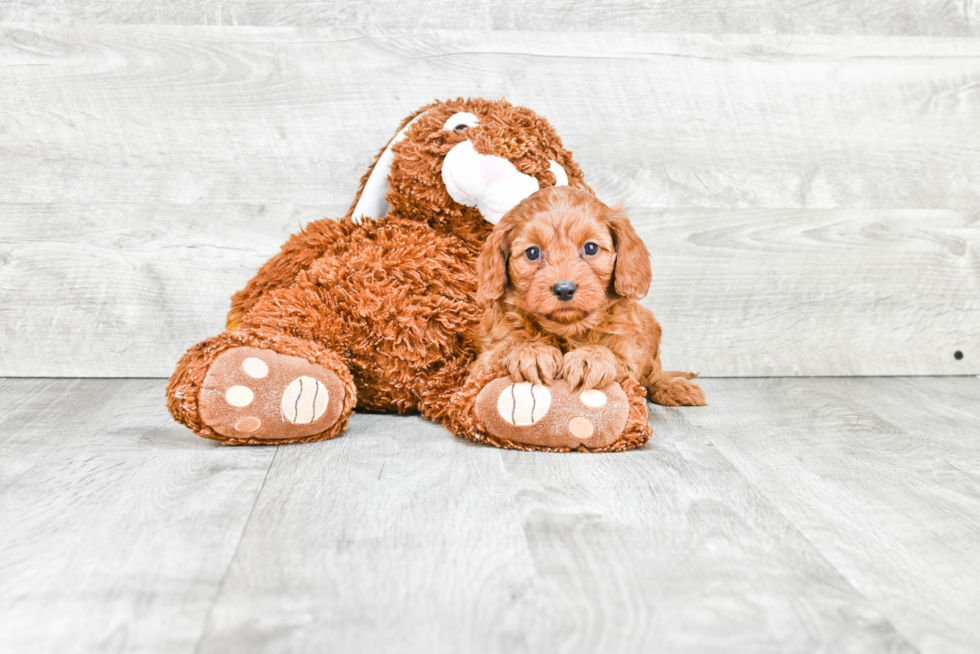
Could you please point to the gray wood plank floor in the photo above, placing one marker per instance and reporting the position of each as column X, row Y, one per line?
column 791, row 515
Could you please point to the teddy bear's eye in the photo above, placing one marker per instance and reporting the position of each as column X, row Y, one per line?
column 590, row 249
column 461, row 121
column 532, row 253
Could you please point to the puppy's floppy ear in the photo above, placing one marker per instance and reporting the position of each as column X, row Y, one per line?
column 491, row 266
column 633, row 275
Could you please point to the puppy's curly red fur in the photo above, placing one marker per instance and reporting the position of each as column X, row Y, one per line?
column 562, row 235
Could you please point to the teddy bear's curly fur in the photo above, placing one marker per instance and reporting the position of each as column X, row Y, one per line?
column 375, row 312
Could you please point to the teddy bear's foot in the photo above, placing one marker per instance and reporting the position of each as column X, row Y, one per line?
column 553, row 417
column 255, row 395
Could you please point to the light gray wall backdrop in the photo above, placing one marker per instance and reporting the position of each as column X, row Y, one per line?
column 806, row 175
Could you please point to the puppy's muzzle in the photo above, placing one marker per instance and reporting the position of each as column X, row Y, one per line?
column 564, row 290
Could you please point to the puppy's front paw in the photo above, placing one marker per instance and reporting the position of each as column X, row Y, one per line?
column 533, row 362
column 588, row 367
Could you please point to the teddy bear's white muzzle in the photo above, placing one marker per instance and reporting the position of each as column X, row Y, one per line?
column 491, row 184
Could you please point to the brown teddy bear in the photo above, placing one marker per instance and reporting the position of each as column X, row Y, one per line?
column 377, row 310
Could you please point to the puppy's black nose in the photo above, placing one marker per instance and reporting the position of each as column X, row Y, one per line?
column 564, row 290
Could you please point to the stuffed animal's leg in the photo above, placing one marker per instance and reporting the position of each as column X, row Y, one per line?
column 492, row 409
column 257, row 385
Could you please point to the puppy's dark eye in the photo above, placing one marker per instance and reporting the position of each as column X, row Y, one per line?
column 460, row 128
column 532, row 253
column 590, row 249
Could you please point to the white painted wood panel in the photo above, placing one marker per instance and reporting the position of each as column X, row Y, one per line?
column 118, row 525
column 810, row 200
column 739, row 293
column 816, row 292
column 905, row 17
column 145, row 114
column 117, row 290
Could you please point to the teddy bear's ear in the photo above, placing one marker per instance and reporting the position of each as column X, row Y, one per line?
column 567, row 172
column 370, row 201
column 491, row 267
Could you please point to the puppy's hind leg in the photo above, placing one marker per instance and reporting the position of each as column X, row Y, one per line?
column 675, row 389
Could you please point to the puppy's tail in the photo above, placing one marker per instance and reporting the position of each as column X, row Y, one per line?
column 676, row 389
column 678, row 373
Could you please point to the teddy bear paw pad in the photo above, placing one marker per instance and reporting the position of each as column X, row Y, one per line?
column 524, row 404
column 257, row 394
column 555, row 416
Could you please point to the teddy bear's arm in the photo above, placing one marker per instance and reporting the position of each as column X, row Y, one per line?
column 296, row 255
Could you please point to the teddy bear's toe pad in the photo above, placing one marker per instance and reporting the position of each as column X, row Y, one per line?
column 553, row 416
column 254, row 393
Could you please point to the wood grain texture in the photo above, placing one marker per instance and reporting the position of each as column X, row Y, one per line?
column 404, row 540
column 145, row 114
column 786, row 293
column 810, row 200
column 739, row 293
column 880, row 476
column 670, row 550
column 905, row 17
column 123, row 290
column 791, row 515
column 118, row 525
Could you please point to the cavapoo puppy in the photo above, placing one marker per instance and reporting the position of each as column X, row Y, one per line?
column 560, row 276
